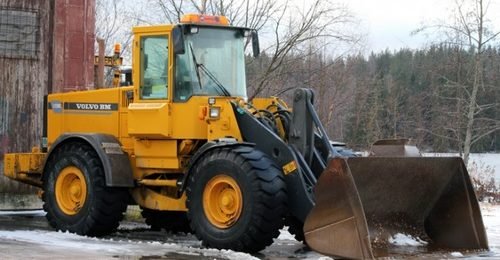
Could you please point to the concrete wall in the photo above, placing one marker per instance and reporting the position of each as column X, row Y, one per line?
column 55, row 55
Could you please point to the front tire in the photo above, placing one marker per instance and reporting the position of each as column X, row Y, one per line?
column 75, row 195
column 236, row 199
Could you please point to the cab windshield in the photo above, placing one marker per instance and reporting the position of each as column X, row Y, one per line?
column 213, row 64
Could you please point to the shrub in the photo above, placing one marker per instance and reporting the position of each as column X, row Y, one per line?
column 483, row 181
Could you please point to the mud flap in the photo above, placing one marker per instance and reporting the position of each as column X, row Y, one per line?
column 362, row 202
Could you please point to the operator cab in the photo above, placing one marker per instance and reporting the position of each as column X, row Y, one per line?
column 207, row 58
column 211, row 58
column 213, row 63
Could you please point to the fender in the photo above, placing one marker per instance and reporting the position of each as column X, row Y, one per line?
column 116, row 163
column 203, row 150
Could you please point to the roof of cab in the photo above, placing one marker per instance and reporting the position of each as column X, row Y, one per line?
column 153, row 28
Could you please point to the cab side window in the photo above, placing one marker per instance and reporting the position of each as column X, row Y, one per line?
column 154, row 67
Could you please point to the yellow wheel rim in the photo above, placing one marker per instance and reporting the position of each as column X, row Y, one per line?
column 71, row 190
column 222, row 201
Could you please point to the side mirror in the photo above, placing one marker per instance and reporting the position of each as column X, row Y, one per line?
column 178, row 39
column 255, row 43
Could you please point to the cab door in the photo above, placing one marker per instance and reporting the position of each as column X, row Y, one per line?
column 149, row 115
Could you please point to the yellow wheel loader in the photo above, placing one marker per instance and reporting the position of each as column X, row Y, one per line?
column 184, row 144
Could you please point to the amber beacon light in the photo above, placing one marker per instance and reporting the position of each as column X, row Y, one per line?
column 205, row 19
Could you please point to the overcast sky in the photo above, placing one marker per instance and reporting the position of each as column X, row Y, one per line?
column 389, row 23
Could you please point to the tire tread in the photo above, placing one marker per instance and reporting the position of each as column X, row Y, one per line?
column 269, row 189
column 109, row 203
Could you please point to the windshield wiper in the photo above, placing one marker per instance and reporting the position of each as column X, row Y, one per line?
column 197, row 65
column 221, row 87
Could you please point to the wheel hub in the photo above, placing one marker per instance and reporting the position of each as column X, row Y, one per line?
column 222, row 201
column 70, row 190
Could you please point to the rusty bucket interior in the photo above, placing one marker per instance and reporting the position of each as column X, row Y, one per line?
column 362, row 203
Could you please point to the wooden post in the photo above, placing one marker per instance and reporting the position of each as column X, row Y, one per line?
column 100, row 65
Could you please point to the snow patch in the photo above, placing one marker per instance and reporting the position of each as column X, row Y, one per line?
column 31, row 213
column 456, row 254
column 62, row 239
column 129, row 225
column 491, row 218
column 285, row 235
column 406, row 240
column 189, row 253
column 227, row 253
column 111, row 247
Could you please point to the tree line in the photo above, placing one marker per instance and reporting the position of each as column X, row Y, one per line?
column 419, row 94
column 444, row 96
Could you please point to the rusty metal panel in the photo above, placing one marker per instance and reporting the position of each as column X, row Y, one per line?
column 61, row 61
column 23, row 76
column 74, row 45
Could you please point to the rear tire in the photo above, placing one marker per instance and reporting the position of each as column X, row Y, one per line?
column 236, row 199
column 170, row 221
column 75, row 195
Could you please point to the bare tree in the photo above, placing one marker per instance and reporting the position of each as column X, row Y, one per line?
column 471, row 29
column 111, row 20
column 252, row 14
column 305, row 32
column 114, row 22
column 287, row 27
column 171, row 10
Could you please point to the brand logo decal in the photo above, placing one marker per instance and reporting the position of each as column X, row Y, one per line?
column 91, row 106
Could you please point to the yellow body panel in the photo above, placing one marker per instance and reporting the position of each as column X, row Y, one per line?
column 226, row 125
column 24, row 167
column 93, row 111
column 149, row 120
column 123, row 130
column 186, row 123
column 160, row 154
column 153, row 200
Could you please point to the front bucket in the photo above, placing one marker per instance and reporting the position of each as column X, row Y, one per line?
column 363, row 203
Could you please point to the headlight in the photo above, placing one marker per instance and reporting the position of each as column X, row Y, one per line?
column 214, row 112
